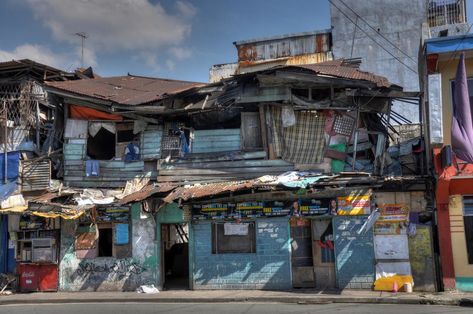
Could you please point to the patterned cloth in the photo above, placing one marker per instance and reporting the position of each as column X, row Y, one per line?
column 303, row 143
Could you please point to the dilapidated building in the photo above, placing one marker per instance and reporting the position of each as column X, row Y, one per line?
column 277, row 178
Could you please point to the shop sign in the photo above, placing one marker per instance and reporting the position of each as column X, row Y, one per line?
column 304, row 207
column 354, row 205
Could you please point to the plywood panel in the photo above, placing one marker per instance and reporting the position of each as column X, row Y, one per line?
column 251, row 130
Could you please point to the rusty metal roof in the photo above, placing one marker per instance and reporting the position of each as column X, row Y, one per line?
column 338, row 68
column 145, row 192
column 197, row 191
column 125, row 90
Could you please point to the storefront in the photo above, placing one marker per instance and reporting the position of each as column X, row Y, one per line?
column 110, row 249
column 299, row 243
column 35, row 243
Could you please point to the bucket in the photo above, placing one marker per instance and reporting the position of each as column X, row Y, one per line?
column 408, row 287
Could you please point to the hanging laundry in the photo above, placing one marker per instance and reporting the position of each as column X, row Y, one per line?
column 132, row 152
column 92, row 168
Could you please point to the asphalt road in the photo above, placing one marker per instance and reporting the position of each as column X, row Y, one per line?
column 205, row 308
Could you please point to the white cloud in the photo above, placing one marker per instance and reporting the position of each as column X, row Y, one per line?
column 36, row 53
column 181, row 53
column 136, row 26
column 171, row 65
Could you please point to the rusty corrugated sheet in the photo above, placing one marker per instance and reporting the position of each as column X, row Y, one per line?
column 284, row 46
column 336, row 68
column 146, row 192
column 254, row 66
column 197, row 191
column 126, row 90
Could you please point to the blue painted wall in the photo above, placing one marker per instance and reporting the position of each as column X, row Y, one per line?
column 268, row 268
column 354, row 253
column 464, row 284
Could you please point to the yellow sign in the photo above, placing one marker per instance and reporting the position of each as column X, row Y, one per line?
column 354, row 205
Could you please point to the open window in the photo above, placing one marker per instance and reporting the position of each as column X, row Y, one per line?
column 109, row 140
column 233, row 238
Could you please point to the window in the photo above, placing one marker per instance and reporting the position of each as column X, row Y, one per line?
column 108, row 140
column 468, row 222
column 102, row 145
column 233, row 238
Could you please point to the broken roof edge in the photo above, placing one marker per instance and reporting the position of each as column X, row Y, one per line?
column 284, row 36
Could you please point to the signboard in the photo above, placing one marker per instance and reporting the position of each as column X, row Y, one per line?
column 354, row 205
column 393, row 220
column 303, row 207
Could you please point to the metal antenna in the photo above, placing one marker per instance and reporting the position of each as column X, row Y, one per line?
column 83, row 37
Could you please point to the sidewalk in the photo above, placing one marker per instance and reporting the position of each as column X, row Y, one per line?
column 258, row 296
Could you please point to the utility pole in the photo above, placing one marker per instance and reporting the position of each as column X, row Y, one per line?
column 83, row 37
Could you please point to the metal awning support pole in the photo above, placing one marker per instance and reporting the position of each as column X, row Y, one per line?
column 355, row 140
column 5, row 139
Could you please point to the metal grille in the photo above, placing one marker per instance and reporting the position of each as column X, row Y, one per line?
column 343, row 125
column 446, row 12
column 19, row 112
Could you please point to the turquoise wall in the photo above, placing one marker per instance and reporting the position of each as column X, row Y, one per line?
column 268, row 268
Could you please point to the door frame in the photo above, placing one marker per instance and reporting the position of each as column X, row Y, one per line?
column 172, row 214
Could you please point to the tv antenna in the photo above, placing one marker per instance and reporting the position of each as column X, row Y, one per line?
column 83, row 37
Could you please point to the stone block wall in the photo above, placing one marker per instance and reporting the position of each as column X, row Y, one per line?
column 268, row 268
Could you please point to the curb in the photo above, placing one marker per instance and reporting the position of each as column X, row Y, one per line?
column 293, row 300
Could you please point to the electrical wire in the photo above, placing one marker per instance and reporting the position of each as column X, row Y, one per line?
column 370, row 37
column 376, row 31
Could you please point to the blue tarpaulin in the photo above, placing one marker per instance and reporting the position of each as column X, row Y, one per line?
column 13, row 164
column 449, row 44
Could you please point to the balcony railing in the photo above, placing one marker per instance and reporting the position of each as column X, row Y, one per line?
column 446, row 12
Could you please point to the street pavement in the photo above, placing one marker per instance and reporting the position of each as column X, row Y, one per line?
column 230, row 308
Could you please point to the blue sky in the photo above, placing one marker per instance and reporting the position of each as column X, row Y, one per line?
column 175, row 39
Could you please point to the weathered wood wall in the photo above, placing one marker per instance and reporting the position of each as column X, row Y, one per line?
column 219, row 140
column 113, row 173
column 223, row 166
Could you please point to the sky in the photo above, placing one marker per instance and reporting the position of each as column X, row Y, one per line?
column 177, row 39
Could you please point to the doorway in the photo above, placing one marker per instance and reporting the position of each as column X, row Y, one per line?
column 175, row 256
column 324, row 254
column 301, row 253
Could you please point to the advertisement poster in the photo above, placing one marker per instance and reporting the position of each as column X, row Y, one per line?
column 393, row 220
column 354, row 205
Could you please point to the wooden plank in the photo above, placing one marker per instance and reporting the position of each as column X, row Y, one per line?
column 72, row 157
column 251, row 131
column 264, row 135
column 230, row 155
column 228, row 164
column 217, row 138
column 177, row 172
column 218, row 132
column 91, row 184
column 81, row 141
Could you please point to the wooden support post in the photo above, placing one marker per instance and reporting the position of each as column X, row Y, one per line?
column 38, row 145
column 263, row 126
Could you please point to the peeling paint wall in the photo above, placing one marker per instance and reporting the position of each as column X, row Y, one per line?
column 109, row 273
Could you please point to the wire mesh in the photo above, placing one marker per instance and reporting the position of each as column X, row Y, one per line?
column 19, row 112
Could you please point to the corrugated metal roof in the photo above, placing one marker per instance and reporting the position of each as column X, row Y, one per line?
column 277, row 37
column 146, row 192
column 126, row 90
column 197, row 191
column 337, row 68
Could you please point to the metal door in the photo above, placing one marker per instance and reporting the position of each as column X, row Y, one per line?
column 301, row 256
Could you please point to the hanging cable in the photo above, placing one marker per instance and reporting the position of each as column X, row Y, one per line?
column 370, row 37
column 376, row 31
